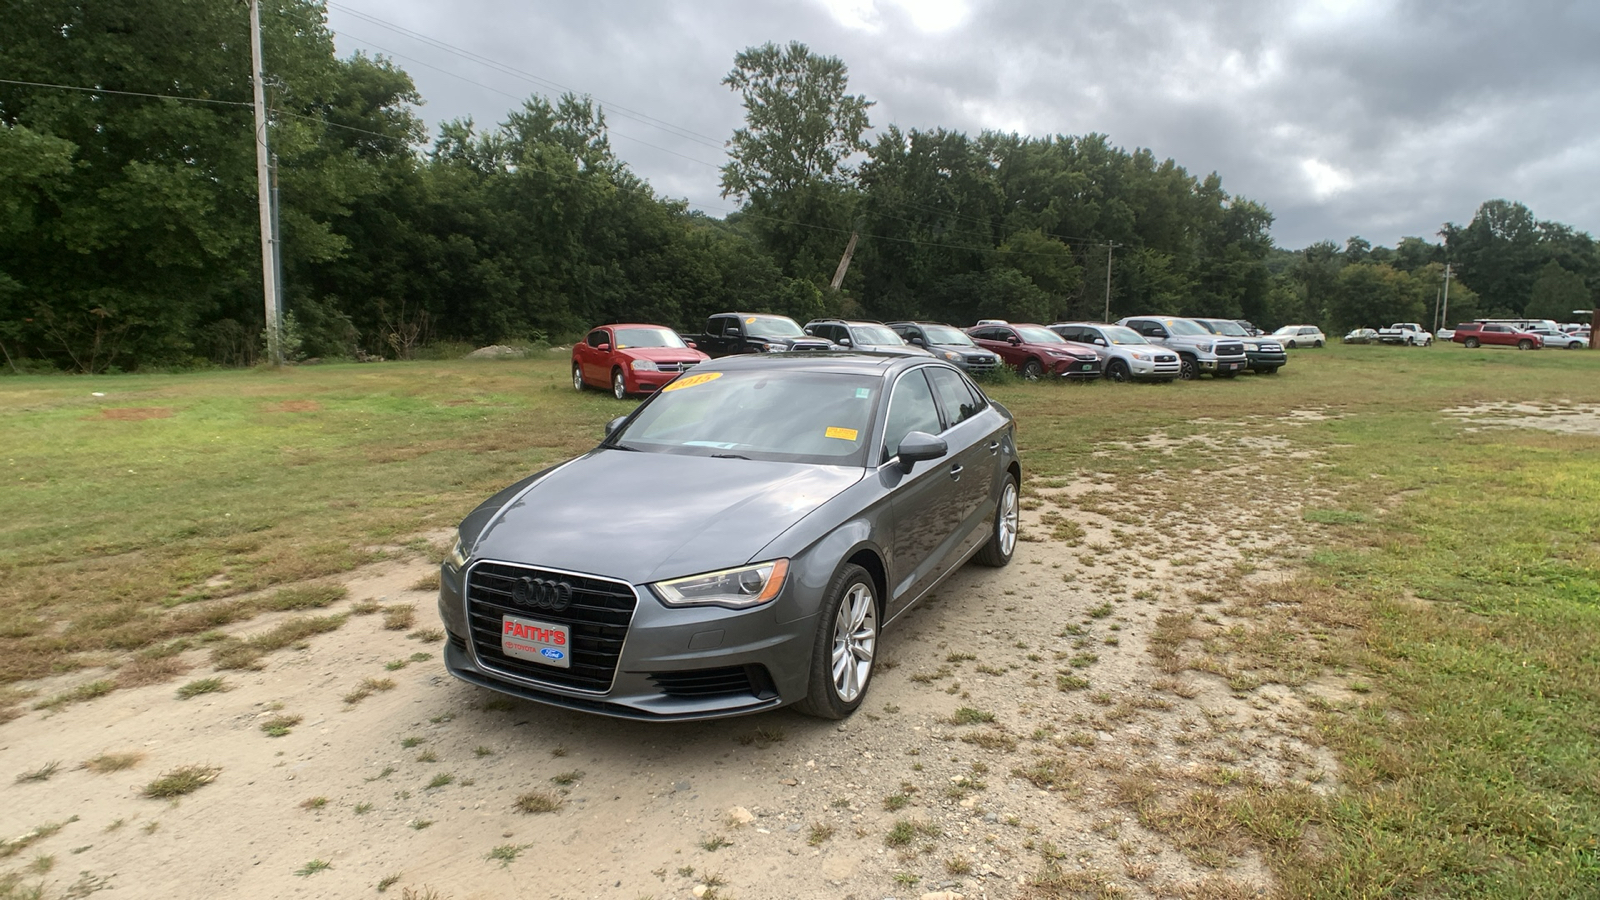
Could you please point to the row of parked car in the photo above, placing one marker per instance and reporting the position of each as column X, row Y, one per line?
column 637, row 358
column 1524, row 334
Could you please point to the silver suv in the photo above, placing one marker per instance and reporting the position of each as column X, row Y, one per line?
column 1129, row 357
column 1199, row 351
column 863, row 337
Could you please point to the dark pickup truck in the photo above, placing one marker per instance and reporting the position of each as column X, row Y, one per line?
column 730, row 333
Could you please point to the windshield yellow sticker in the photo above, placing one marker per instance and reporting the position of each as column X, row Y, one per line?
column 750, row 321
column 843, row 434
column 692, row 381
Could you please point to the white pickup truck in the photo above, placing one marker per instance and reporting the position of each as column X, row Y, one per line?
column 1408, row 333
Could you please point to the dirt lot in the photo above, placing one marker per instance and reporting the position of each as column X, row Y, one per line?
column 1068, row 726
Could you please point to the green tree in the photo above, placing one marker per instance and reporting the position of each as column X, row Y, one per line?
column 801, row 124
column 1557, row 292
column 1375, row 295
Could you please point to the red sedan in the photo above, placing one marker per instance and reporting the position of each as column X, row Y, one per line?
column 631, row 359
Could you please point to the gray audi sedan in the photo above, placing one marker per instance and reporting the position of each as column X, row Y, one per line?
column 738, row 542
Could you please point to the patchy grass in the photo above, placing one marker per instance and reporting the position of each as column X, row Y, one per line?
column 180, row 781
column 212, row 685
column 12, row 846
column 42, row 773
column 106, row 763
column 399, row 618
column 280, row 725
column 80, row 694
column 538, row 802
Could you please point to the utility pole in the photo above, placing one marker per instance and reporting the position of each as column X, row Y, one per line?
column 844, row 262
column 269, row 274
column 1444, row 312
column 1108, row 282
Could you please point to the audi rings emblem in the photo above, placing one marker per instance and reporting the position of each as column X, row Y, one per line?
column 542, row 593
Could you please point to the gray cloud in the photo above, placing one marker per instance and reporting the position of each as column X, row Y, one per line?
column 1344, row 117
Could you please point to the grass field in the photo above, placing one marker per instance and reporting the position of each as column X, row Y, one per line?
column 1463, row 562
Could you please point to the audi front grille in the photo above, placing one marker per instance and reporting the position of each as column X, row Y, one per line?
column 597, row 616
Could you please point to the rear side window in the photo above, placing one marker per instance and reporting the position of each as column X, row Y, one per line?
column 957, row 401
column 912, row 408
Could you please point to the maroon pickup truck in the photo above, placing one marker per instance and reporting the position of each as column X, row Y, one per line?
column 1474, row 334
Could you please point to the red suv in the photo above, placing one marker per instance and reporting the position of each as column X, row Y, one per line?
column 1473, row 334
column 1035, row 350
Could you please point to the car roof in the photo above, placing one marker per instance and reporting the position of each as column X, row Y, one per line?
column 842, row 362
column 632, row 325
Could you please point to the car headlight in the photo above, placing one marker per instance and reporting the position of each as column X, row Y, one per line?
column 1139, row 355
column 1057, row 354
column 951, row 356
column 1203, row 348
column 458, row 555
column 644, row 365
column 739, row 588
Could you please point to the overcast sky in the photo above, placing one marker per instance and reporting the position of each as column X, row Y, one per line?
column 1379, row 119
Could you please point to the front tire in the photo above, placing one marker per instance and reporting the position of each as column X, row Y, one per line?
column 1188, row 369
column 1033, row 370
column 619, row 385
column 842, row 659
column 1290, row 345
column 1231, row 373
column 1270, row 370
column 1117, row 371
column 577, row 378
column 1003, row 540
column 1524, row 344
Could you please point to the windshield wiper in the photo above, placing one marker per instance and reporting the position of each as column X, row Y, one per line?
column 728, row 456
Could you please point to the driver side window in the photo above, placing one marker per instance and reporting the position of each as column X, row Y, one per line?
column 910, row 409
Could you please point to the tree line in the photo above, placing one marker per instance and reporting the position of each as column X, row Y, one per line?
column 129, row 235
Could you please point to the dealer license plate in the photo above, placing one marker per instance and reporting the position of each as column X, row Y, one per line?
column 546, row 643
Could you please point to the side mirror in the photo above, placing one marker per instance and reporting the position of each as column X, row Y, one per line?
column 614, row 424
column 1013, row 340
column 691, row 345
column 844, row 342
column 919, row 446
column 603, row 348
column 1100, row 341
column 916, row 341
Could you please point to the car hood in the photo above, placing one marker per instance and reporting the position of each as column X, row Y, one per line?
column 641, row 517
column 663, row 354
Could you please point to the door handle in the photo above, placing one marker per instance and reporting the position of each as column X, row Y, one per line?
column 955, row 472
column 994, row 446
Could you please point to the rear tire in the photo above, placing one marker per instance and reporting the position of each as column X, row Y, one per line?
column 577, row 378
column 619, row 385
column 1117, row 371
column 842, row 658
column 1188, row 369
column 1316, row 344
column 1470, row 343
column 1003, row 539
column 1033, row 370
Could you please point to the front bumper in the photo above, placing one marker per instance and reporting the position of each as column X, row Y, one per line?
column 673, row 664
column 1265, row 359
column 1079, row 369
column 1223, row 365
column 1164, row 367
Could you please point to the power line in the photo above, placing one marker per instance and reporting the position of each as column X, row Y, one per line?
column 91, row 90
column 726, row 209
column 642, row 118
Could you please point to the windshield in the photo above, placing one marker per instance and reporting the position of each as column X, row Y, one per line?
column 1119, row 334
column 1033, row 334
column 1224, row 327
column 771, row 327
column 1184, row 326
column 776, row 414
column 648, row 337
column 875, row 335
column 944, row 334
